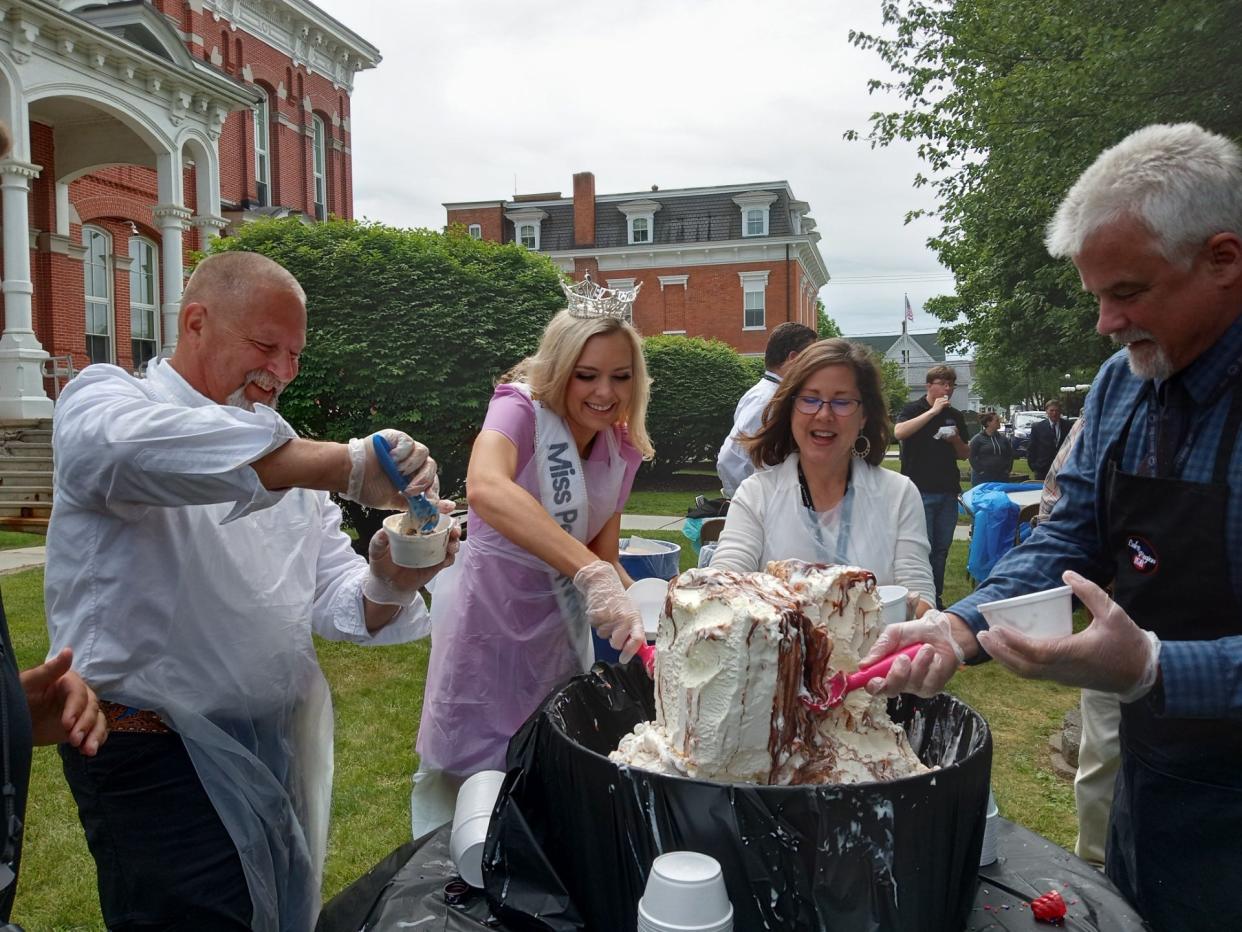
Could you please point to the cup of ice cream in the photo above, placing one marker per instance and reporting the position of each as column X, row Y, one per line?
column 414, row 549
column 1047, row 614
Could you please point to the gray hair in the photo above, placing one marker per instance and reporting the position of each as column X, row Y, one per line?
column 232, row 277
column 1179, row 180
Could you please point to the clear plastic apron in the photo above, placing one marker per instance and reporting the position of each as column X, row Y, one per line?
column 503, row 636
column 247, row 697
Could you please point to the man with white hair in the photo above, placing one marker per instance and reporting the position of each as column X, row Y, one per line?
column 192, row 552
column 1151, row 502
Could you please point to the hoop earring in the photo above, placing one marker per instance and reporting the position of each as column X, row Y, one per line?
column 866, row 447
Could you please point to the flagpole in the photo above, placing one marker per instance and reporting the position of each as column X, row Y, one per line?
column 905, row 343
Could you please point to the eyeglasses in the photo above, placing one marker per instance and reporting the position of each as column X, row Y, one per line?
column 944, row 383
column 841, row 407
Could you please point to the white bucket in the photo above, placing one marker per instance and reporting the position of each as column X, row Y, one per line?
column 987, row 854
column 475, row 801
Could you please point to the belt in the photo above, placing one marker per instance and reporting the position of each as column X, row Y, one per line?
column 124, row 718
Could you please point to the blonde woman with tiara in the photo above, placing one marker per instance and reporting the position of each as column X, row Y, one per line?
column 548, row 477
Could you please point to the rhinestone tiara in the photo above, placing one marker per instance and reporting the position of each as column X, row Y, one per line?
column 587, row 299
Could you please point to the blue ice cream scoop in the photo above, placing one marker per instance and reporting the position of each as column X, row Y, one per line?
column 423, row 514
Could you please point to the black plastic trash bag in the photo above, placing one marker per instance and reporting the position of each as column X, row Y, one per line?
column 573, row 835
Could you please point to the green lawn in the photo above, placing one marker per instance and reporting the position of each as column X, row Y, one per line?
column 378, row 697
column 10, row 540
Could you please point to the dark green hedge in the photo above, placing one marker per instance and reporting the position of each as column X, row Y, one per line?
column 695, row 387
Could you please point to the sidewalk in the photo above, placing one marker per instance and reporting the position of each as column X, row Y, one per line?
column 21, row 558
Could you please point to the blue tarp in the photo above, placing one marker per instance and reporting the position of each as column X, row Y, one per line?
column 995, row 519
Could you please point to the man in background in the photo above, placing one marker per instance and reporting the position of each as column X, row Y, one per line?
column 786, row 342
column 1046, row 438
column 933, row 438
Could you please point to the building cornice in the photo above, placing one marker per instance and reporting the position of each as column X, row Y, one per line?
column 716, row 252
column 40, row 27
column 306, row 34
column 471, row 205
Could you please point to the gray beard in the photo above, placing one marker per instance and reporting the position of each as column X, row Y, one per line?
column 238, row 399
column 1156, row 365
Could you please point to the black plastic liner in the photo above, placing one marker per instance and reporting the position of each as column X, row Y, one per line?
column 573, row 835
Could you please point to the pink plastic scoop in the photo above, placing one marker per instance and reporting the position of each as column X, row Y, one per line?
column 646, row 654
column 841, row 684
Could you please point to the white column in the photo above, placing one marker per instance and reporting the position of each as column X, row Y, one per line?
column 208, row 228
column 21, row 356
column 171, row 219
column 171, row 216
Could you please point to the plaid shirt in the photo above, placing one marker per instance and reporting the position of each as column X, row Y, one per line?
column 1201, row 679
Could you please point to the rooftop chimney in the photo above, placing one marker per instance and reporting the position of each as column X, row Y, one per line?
column 584, row 209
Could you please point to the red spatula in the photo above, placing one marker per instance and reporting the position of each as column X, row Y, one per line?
column 841, row 684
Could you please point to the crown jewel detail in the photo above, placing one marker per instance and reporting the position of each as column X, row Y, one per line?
column 587, row 299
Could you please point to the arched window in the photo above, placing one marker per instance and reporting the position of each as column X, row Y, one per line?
column 97, row 275
column 262, row 155
column 319, row 161
column 144, row 300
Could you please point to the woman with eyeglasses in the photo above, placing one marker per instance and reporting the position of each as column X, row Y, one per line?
column 820, row 493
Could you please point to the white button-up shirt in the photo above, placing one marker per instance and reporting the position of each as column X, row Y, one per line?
column 733, row 463
column 160, row 527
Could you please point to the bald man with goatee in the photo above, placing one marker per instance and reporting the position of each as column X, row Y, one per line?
column 192, row 552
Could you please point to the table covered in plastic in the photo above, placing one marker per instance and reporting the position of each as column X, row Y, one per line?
column 406, row 892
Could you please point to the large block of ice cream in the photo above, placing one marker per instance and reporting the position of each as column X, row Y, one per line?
column 736, row 654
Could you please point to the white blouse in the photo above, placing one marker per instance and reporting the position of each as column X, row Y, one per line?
column 887, row 531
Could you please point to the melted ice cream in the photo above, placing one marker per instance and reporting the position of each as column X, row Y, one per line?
column 734, row 655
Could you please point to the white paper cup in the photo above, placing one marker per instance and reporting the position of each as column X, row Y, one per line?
column 471, row 818
column 685, row 893
column 893, row 598
column 417, row 551
column 987, row 854
column 1047, row 614
column 648, row 596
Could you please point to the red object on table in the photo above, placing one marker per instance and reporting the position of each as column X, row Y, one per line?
column 1049, row 907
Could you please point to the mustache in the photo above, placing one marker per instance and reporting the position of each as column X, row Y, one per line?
column 265, row 380
column 1131, row 335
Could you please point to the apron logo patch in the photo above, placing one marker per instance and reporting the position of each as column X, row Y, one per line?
column 1142, row 554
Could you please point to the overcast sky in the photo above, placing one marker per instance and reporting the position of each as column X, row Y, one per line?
column 475, row 99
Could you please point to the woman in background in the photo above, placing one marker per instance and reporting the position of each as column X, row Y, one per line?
column 991, row 453
column 548, row 477
column 824, row 497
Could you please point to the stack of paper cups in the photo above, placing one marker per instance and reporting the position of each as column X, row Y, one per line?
column 987, row 854
column 685, row 893
column 475, row 801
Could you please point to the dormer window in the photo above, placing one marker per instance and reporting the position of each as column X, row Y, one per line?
column 755, row 207
column 527, row 223
column 640, row 221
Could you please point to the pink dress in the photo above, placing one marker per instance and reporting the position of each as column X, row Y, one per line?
column 499, row 641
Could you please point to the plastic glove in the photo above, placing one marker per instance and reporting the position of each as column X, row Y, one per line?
column 369, row 484
column 932, row 667
column 1112, row 655
column 389, row 584
column 609, row 610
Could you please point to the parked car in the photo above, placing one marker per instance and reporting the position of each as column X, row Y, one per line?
column 1019, row 430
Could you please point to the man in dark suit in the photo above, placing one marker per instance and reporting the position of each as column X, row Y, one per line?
column 1046, row 438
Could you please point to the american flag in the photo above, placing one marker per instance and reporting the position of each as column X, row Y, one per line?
column 909, row 310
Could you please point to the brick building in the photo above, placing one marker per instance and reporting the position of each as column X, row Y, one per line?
column 142, row 128
column 728, row 262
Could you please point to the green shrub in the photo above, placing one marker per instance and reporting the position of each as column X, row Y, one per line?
column 695, row 387
column 405, row 328
column 755, row 368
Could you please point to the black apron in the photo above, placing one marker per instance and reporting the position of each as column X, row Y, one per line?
column 1175, row 831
